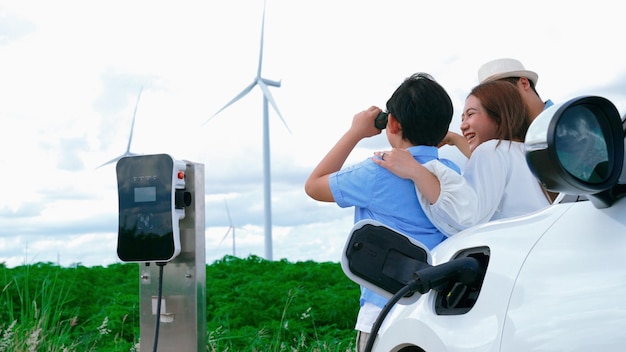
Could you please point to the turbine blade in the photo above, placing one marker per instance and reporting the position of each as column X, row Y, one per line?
column 271, row 83
column 116, row 159
column 225, row 235
column 268, row 95
column 230, row 222
column 239, row 96
column 258, row 72
column 132, row 126
column 130, row 137
column 110, row 161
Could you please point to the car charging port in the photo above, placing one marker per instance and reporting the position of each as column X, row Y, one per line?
column 457, row 281
column 459, row 296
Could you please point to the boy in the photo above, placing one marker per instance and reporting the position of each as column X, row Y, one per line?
column 420, row 112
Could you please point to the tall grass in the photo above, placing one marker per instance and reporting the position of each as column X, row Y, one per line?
column 259, row 305
column 42, row 318
column 41, row 321
column 252, row 305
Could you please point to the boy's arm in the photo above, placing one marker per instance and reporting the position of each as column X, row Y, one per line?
column 317, row 185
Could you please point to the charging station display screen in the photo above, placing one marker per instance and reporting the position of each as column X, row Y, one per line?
column 145, row 194
column 145, row 208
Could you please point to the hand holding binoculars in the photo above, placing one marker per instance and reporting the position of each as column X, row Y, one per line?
column 381, row 120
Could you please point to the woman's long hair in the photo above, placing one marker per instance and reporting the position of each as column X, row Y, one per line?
column 504, row 104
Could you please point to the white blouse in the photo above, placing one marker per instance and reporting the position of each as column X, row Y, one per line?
column 496, row 184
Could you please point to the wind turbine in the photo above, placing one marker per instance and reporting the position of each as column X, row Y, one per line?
column 130, row 138
column 231, row 227
column 264, row 84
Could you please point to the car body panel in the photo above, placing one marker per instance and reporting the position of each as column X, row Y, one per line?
column 572, row 287
column 550, row 276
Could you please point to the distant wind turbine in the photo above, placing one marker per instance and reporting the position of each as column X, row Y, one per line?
column 231, row 228
column 130, row 138
column 263, row 83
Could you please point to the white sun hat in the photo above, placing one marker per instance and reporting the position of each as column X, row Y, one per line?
column 504, row 68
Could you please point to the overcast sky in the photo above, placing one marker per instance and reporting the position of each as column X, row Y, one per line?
column 71, row 72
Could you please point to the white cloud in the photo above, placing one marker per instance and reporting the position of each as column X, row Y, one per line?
column 71, row 72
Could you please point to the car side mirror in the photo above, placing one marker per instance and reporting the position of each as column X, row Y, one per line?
column 577, row 147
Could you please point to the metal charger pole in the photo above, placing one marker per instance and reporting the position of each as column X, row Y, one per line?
column 183, row 303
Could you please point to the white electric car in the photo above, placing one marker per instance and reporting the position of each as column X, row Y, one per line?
column 554, row 280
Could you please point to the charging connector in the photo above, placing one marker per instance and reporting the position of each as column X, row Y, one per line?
column 464, row 270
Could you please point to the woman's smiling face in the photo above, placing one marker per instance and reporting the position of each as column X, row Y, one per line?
column 476, row 125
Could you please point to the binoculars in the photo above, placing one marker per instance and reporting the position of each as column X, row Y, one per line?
column 381, row 120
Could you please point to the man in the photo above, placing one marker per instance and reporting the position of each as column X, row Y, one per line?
column 525, row 80
column 513, row 71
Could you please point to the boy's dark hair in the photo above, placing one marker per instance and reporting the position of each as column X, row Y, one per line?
column 423, row 109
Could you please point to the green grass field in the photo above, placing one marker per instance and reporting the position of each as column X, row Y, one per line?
column 252, row 305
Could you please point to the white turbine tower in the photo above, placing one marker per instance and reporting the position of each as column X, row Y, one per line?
column 130, row 138
column 264, row 84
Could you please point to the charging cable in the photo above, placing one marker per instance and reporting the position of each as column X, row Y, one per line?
column 465, row 270
column 158, row 308
column 383, row 313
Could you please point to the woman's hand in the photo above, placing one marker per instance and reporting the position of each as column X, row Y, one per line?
column 399, row 161
column 402, row 164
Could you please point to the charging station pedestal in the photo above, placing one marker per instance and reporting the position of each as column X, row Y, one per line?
column 182, row 324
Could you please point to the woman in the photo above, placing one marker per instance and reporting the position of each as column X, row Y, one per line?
column 496, row 182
